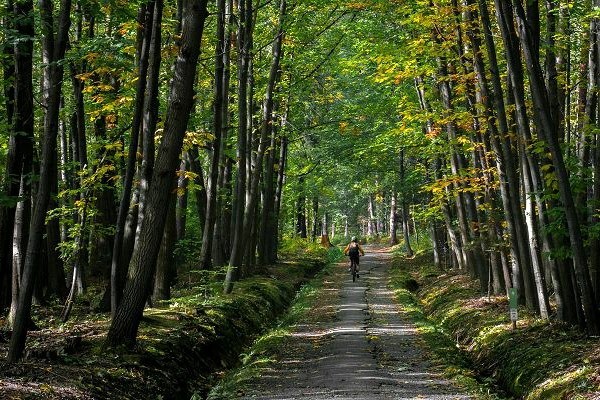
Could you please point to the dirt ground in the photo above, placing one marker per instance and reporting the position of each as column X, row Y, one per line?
column 368, row 350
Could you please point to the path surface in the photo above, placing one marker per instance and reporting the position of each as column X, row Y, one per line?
column 369, row 350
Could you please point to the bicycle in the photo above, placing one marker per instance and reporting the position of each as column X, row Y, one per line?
column 354, row 269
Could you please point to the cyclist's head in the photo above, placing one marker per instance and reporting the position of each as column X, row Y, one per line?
column 354, row 238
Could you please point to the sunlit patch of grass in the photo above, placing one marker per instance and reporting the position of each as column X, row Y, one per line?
column 540, row 360
column 265, row 350
column 561, row 385
column 442, row 349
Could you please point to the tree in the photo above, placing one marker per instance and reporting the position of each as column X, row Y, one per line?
column 124, row 326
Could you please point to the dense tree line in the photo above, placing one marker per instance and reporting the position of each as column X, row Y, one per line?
column 473, row 124
column 138, row 138
column 113, row 117
column 497, row 109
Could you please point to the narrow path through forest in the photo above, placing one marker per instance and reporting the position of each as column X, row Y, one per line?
column 368, row 350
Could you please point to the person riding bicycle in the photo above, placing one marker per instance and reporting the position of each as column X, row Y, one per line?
column 354, row 251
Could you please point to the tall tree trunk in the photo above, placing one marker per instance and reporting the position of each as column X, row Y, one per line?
column 222, row 232
column 56, row 283
column 238, row 227
column 393, row 219
column 34, row 246
column 150, row 114
column 165, row 265
column 218, row 117
column 19, row 245
column 404, row 208
column 201, row 193
column 372, row 223
column 118, row 264
column 530, row 44
column 124, row 326
column 267, row 229
column 315, row 218
column 278, row 193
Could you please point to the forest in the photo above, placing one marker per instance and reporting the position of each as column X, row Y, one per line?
column 141, row 140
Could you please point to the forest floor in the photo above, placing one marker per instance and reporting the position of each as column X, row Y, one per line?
column 355, row 342
column 182, row 343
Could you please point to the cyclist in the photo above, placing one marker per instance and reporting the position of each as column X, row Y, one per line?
column 354, row 250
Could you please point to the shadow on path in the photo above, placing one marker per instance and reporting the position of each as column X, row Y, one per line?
column 369, row 351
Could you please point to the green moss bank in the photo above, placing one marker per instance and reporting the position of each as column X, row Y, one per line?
column 539, row 360
column 183, row 344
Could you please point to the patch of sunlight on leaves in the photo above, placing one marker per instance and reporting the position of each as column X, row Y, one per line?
column 562, row 384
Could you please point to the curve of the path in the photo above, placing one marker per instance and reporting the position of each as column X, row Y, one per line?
column 369, row 350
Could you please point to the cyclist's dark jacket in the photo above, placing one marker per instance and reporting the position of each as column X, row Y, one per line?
column 353, row 249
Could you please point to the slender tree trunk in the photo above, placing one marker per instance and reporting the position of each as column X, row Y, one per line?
column 165, row 265
column 56, row 282
column 150, row 113
column 34, row 246
column 200, row 194
column 549, row 129
column 222, row 240
column 118, row 264
column 19, row 245
column 124, row 326
column 267, row 230
column 278, row 193
column 404, row 208
column 218, row 117
column 372, row 223
column 315, row 218
column 393, row 219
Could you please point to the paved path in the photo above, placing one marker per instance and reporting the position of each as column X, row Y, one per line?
column 369, row 350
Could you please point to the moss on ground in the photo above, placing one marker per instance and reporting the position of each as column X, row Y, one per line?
column 265, row 349
column 183, row 344
column 540, row 360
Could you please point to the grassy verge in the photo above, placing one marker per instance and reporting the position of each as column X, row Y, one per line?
column 264, row 350
column 182, row 343
column 540, row 360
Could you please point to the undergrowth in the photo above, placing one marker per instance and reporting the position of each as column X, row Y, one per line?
column 181, row 344
column 540, row 360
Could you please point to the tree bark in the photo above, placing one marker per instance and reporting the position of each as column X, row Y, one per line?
column 124, row 326
column 201, row 195
column 244, row 48
column 278, row 193
column 394, row 219
column 119, row 264
column 165, row 265
column 218, row 117
column 150, row 113
column 404, row 208
column 35, row 241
